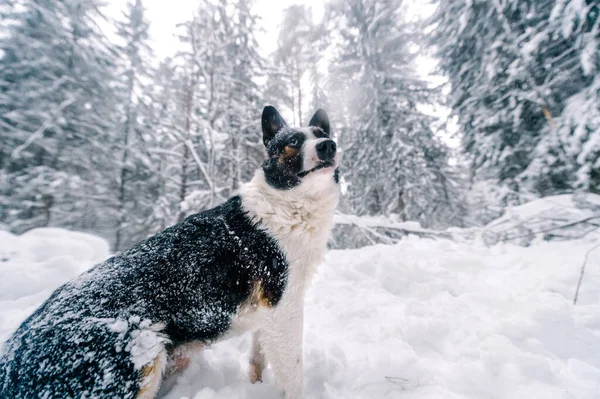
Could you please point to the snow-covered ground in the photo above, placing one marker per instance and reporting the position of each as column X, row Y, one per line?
column 419, row 319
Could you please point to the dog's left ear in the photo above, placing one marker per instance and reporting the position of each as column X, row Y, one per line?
column 271, row 123
column 320, row 119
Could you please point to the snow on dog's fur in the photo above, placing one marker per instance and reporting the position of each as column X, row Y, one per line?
column 119, row 329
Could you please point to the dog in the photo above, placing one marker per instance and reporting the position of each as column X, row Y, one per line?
column 124, row 326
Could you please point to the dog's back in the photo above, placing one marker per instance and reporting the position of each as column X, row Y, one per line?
column 99, row 334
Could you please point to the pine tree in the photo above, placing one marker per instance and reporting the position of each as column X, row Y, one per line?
column 216, row 104
column 135, row 177
column 398, row 164
column 568, row 46
column 513, row 66
column 245, row 98
column 201, row 102
column 56, row 110
column 165, row 145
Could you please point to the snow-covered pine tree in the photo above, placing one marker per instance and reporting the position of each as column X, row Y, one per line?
column 188, row 121
column 513, row 66
column 244, row 151
column 165, row 146
column 56, row 110
column 205, row 100
column 136, row 179
column 489, row 90
column 393, row 161
column 566, row 53
column 217, row 105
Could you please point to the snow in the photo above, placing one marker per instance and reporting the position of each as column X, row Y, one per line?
column 146, row 342
column 34, row 264
column 145, row 346
column 43, row 259
column 588, row 57
column 520, row 223
column 419, row 319
column 531, row 46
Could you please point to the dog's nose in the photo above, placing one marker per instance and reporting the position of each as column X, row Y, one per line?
column 326, row 150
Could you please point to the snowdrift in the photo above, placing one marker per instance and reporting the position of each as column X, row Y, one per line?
column 423, row 318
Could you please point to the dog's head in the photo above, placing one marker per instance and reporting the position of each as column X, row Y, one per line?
column 295, row 154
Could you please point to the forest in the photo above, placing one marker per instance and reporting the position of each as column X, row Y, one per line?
column 98, row 134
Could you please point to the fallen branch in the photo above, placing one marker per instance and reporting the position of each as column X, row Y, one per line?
column 394, row 379
column 374, row 227
column 385, row 239
column 585, row 220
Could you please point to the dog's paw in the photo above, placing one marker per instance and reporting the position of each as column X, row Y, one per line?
column 177, row 364
column 255, row 373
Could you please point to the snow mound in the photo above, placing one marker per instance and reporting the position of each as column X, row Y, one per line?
column 37, row 262
column 419, row 319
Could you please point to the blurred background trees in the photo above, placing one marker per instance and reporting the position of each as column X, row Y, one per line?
column 98, row 134
column 524, row 78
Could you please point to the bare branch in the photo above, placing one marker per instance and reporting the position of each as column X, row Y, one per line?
column 42, row 129
column 583, row 271
column 554, row 228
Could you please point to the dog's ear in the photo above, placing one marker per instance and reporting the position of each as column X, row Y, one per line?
column 320, row 119
column 271, row 122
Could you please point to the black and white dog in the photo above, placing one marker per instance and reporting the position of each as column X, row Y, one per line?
column 119, row 329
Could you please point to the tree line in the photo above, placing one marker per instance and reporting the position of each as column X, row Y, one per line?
column 98, row 135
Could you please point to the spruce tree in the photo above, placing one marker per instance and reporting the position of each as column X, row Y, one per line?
column 56, row 113
column 395, row 162
column 519, row 70
column 135, row 178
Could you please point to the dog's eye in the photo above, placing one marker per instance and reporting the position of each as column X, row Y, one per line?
column 293, row 142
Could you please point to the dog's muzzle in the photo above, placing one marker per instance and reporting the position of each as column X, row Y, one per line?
column 326, row 150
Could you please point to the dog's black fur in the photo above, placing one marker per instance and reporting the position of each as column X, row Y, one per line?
column 191, row 277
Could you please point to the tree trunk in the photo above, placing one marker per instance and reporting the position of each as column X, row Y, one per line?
column 293, row 104
column 186, row 151
column 129, row 122
column 299, row 86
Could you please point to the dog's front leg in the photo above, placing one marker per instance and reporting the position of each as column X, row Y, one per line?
column 281, row 342
column 257, row 359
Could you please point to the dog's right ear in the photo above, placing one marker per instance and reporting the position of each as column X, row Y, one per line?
column 271, row 122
